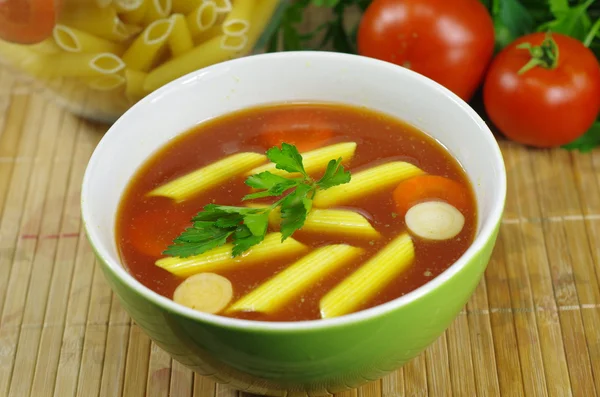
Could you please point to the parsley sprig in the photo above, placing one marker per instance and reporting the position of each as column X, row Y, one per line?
column 245, row 227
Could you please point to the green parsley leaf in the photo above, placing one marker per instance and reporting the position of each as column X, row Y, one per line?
column 257, row 223
column 195, row 241
column 243, row 240
column 287, row 158
column 274, row 185
column 294, row 209
column 334, row 175
column 588, row 141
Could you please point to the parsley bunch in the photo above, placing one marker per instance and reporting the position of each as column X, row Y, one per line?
column 245, row 227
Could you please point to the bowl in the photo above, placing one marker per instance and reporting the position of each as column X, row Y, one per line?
column 308, row 357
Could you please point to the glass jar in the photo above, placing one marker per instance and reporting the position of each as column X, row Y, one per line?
column 99, row 57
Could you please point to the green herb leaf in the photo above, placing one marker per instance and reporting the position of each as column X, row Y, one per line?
column 511, row 20
column 571, row 21
column 588, row 141
column 275, row 185
column 243, row 240
column 294, row 209
column 195, row 241
column 287, row 158
column 334, row 175
column 257, row 223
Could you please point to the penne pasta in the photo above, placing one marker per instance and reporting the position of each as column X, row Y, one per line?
column 220, row 258
column 106, row 83
column 147, row 47
column 101, row 22
column 233, row 43
column 211, row 33
column 261, row 16
column 84, row 64
column 297, row 278
column 237, row 22
column 131, row 15
column 185, row 6
column 223, row 6
column 367, row 182
column 315, row 160
column 31, row 62
column 199, row 57
column 134, row 85
column 155, row 10
column 202, row 18
column 47, row 46
column 75, row 40
column 125, row 6
column 180, row 40
column 207, row 177
column 103, row 3
column 361, row 286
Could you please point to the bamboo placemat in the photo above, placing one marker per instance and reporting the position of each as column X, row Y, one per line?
column 532, row 327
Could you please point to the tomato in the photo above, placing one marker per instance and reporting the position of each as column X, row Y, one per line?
column 551, row 103
column 27, row 21
column 449, row 41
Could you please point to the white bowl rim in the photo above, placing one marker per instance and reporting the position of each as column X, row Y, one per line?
column 486, row 232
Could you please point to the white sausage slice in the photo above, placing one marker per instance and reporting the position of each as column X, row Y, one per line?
column 434, row 220
column 205, row 292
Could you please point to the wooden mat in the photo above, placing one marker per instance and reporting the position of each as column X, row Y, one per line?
column 532, row 327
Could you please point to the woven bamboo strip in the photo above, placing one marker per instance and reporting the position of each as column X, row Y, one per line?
column 203, row 386
column 51, row 336
column 113, row 372
column 460, row 358
column 531, row 236
column 225, row 391
column 371, row 389
column 136, row 367
column 415, row 377
column 182, row 381
column 438, row 373
column 548, row 167
column 36, row 295
column 159, row 373
column 392, row 385
column 16, row 265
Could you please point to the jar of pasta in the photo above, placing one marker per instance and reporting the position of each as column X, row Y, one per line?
column 99, row 57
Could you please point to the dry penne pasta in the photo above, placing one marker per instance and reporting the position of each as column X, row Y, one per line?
column 133, row 15
column 233, row 43
column 147, row 47
column 202, row 18
column 125, row 6
column 357, row 289
column 211, row 33
column 315, row 160
column 84, row 64
column 207, row 177
column 367, row 182
column 75, row 40
column 185, row 6
column 32, row 62
column 106, row 83
column 237, row 21
column 220, row 258
column 223, row 6
column 263, row 11
column 276, row 292
column 134, row 84
column 180, row 40
column 103, row 22
column 199, row 57
column 155, row 10
column 47, row 46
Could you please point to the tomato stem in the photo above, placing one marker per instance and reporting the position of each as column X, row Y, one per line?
column 545, row 55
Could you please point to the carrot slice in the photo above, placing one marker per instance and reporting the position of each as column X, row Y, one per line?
column 152, row 232
column 27, row 21
column 430, row 187
column 304, row 129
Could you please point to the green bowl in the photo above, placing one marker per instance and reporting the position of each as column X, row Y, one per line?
column 309, row 357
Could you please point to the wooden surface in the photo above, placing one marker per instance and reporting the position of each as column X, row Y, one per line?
column 532, row 327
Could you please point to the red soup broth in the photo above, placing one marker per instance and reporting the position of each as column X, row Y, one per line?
column 147, row 225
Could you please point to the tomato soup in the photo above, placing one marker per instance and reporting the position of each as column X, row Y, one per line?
column 407, row 213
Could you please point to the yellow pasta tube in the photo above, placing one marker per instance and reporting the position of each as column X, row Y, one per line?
column 211, row 33
column 237, row 21
column 132, row 11
column 155, row 10
column 220, row 258
column 233, row 43
column 202, row 18
column 185, row 6
column 333, row 222
column 362, row 285
column 47, row 46
column 75, row 40
column 106, row 83
column 83, row 64
column 101, row 22
column 199, row 57
column 276, row 292
column 146, row 48
column 263, row 11
column 207, row 177
column 223, row 6
column 134, row 85
column 20, row 56
column 315, row 160
column 367, row 182
column 180, row 40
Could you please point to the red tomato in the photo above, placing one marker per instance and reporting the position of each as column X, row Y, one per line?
column 544, row 106
column 27, row 21
column 449, row 41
